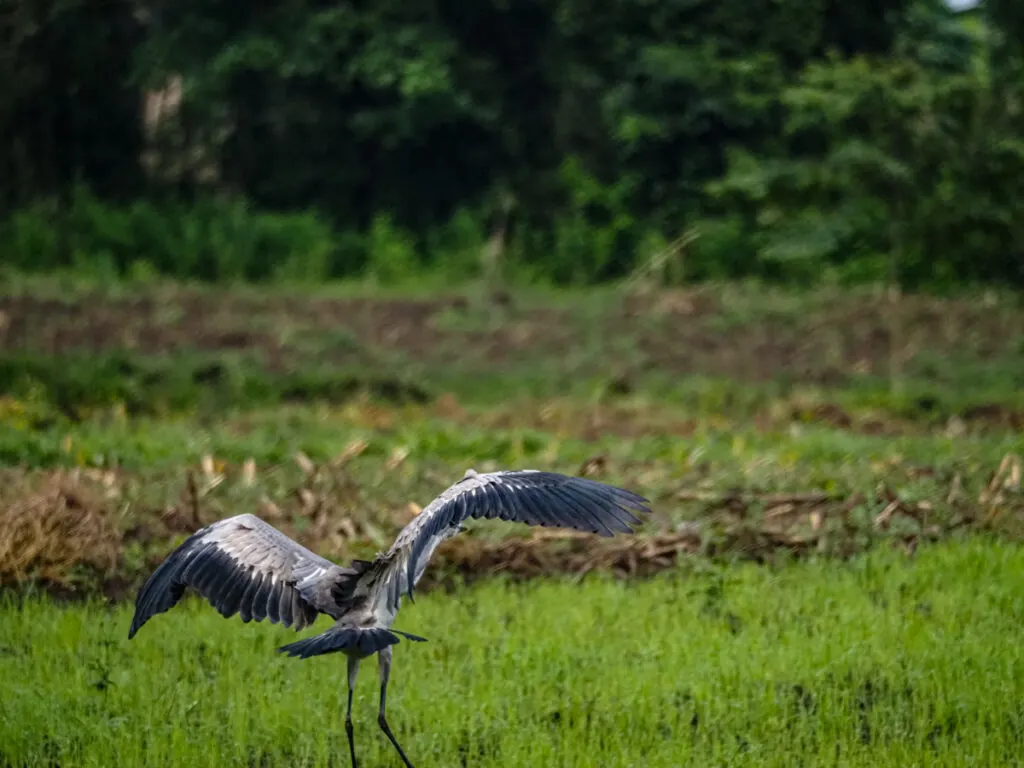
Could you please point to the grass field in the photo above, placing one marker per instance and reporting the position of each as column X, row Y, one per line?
column 881, row 661
column 830, row 575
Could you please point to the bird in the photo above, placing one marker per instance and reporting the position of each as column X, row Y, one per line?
column 244, row 565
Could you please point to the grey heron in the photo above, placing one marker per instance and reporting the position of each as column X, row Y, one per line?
column 244, row 565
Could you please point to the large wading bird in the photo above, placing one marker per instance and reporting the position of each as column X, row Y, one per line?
column 246, row 566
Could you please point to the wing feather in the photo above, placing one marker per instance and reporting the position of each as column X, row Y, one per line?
column 525, row 496
column 273, row 600
column 247, row 605
column 246, row 566
column 231, row 595
column 585, row 516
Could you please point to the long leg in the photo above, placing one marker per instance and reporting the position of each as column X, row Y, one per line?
column 353, row 672
column 384, row 661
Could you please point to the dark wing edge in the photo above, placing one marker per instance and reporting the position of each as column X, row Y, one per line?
column 244, row 565
column 526, row 496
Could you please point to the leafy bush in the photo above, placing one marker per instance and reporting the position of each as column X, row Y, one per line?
column 391, row 251
column 798, row 139
column 210, row 239
column 894, row 168
column 461, row 241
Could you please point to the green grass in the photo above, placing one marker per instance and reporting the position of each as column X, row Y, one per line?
column 881, row 661
column 714, row 454
column 165, row 348
column 565, row 431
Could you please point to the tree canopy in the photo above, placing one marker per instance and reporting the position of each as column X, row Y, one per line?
column 786, row 135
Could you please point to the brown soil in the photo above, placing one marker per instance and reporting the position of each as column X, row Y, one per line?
column 680, row 332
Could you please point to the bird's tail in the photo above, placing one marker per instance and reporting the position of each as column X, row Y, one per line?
column 365, row 641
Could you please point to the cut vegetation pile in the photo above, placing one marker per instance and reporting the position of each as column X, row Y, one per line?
column 53, row 523
column 82, row 529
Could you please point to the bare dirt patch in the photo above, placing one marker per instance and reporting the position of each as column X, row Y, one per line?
column 689, row 332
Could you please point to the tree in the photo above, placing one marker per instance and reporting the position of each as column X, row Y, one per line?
column 891, row 160
column 68, row 110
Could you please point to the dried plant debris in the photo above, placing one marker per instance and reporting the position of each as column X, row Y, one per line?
column 52, row 522
column 59, row 524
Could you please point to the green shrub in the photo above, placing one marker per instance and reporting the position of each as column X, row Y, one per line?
column 31, row 239
column 391, row 250
column 722, row 250
column 457, row 247
column 210, row 239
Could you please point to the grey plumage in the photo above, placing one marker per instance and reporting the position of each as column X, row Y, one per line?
column 246, row 566
column 243, row 565
column 525, row 496
column 366, row 642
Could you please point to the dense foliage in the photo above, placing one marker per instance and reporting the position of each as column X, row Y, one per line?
column 312, row 139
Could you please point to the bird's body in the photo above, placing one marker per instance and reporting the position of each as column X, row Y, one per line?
column 244, row 565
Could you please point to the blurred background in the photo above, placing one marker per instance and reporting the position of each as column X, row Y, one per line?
column 558, row 142
column 760, row 261
column 317, row 259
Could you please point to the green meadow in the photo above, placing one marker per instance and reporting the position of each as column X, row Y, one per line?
column 879, row 661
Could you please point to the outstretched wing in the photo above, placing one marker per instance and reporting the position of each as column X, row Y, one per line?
column 244, row 565
column 523, row 496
